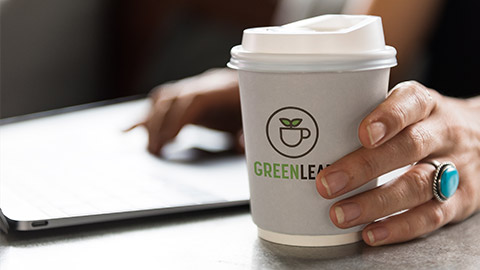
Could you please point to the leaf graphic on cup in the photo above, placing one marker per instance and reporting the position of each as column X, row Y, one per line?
column 285, row 122
column 295, row 122
column 291, row 135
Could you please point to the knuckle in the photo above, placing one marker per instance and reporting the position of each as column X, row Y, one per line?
column 383, row 202
column 420, row 97
column 409, row 227
column 413, row 227
column 399, row 115
column 420, row 185
column 402, row 85
column 418, row 139
column 437, row 217
column 369, row 165
column 414, row 86
column 408, row 86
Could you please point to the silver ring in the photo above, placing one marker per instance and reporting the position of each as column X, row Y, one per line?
column 445, row 181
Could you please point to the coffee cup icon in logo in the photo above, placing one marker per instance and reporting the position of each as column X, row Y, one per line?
column 292, row 135
column 292, row 131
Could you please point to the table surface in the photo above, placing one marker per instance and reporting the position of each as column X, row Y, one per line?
column 225, row 239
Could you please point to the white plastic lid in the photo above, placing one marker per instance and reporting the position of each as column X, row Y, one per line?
column 323, row 43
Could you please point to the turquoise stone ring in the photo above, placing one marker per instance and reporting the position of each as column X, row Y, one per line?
column 445, row 181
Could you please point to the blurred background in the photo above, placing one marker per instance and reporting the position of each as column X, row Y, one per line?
column 58, row 53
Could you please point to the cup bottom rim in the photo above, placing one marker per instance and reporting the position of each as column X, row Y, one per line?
column 309, row 240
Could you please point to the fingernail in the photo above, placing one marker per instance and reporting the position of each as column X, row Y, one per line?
column 334, row 182
column 340, row 215
column 347, row 212
column 378, row 234
column 376, row 131
column 324, row 183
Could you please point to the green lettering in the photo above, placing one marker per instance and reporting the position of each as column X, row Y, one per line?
column 257, row 165
column 276, row 170
column 284, row 171
column 293, row 171
column 267, row 169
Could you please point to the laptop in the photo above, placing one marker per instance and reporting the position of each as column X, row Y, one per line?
column 80, row 167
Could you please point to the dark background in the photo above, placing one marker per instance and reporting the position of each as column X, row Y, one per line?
column 57, row 53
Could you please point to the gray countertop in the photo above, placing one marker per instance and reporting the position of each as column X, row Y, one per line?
column 224, row 239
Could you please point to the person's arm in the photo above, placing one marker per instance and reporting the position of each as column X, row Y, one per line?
column 407, row 25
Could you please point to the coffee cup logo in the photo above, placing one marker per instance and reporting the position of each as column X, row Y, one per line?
column 291, row 135
column 292, row 132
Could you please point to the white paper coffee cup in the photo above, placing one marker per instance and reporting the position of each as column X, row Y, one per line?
column 304, row 88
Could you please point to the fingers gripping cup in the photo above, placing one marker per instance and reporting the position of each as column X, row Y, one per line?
column 304, row 89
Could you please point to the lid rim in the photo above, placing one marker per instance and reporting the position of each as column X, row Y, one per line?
column 275, row 62
column 311, row 67
column 238, row 51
